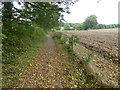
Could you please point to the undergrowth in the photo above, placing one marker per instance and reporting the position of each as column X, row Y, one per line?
column 79, row 76
column 13, row 67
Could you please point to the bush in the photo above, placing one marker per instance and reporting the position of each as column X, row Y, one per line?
column 57, row 35
column 20, row 41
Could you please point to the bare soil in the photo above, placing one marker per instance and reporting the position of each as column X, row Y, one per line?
column 105, row 44
column 103, row 41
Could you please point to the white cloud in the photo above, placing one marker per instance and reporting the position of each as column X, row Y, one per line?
column 106, row 11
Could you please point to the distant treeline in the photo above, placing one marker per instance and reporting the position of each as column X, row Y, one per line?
column 79, row 26
column 89, row 23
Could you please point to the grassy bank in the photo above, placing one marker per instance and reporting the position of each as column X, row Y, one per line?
column 16, row 66
column 79, row 76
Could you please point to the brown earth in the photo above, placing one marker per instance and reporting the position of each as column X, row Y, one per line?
column 103, row 41
column 105, row 45
column 53, row 69
column 47, row 70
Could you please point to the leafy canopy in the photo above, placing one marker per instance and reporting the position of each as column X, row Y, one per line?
column 90, row 22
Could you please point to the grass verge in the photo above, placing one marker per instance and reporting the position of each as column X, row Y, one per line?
column 77, row 73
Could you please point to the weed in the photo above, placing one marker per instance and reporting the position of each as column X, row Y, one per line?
column 57, row 35
column 88, row 59
column 78, row 75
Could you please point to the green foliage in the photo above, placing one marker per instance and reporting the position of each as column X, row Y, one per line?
column 88, row 59
column 23, row 31
column 76, row 72
column 3, row 36
column 84, row 26
column 74, row 40
column 78, row 26
column 103, row 26
column 67, row 26
column 13, row 67
column 90, row 22
column 57, row 35
column 70, row 42
column 18, row 42
column 21, row 26
column 65, row 39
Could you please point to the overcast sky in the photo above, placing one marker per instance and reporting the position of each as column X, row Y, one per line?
column 105, row 10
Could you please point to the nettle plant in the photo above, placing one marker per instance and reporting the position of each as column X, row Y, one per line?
column 73, row 41
column 57, row 35
column 88, row 59
column 65, row 39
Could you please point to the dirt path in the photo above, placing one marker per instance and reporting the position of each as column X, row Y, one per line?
column 47, row 70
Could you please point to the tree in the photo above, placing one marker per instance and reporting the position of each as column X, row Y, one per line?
column 7, row 16
column 90, row 22
column 78, row 26
column 22, row 27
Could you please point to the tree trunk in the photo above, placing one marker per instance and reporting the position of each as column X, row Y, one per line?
column 7, row 18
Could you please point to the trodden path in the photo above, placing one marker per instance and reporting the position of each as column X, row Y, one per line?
column 47, row 70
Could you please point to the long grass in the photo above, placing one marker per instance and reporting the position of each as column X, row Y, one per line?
column 78, row 75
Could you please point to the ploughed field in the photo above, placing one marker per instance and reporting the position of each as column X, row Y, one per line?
column 103, row 41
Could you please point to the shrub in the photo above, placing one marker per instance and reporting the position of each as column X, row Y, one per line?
column 57, row 35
